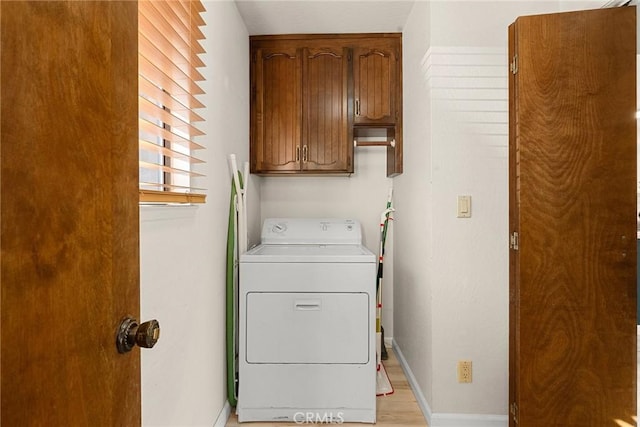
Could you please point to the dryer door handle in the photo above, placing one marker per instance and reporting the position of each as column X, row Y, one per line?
column 308, row 305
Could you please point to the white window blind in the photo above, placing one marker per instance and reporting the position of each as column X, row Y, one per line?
column 169, row 38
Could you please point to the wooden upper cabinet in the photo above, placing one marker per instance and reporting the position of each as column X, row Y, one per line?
column 276, row 109
column 375, row 75
column 303, row 105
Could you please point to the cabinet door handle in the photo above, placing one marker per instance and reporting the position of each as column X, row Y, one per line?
column 297, row 153
column 304, row 154
column 357, row 107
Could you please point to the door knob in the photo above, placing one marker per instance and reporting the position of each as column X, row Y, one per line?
column 130, row 333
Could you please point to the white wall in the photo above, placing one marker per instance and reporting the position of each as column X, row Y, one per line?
column 362, row 196
column 183, row 249
column 451, row 274
column 413, row 326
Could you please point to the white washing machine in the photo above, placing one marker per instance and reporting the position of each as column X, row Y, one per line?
column 307, row 324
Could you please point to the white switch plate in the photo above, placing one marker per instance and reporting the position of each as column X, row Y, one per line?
column 464, row 206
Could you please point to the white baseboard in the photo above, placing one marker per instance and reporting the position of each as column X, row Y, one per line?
column 413, row 382
column 468, row 420
column 224, row 415
column 388, row 341
column 442, row 419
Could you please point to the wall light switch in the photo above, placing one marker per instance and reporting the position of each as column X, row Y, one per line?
column 464, row 206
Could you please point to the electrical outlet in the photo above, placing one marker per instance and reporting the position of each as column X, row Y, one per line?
column 465, row 371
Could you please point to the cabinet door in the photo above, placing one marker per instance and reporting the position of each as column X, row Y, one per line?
column 276, row 113
column 573, row 205
column 375, row 75
column 326, row 126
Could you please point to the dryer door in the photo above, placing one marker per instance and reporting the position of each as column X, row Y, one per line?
column 305, row 327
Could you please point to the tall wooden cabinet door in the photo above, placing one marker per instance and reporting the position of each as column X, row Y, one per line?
column 573, row 205
column 326, row 142
column 69, row 209
column 514, row 229
column 375, row 77
column 276, row 115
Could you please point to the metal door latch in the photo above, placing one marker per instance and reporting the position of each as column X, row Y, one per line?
column 514, row 241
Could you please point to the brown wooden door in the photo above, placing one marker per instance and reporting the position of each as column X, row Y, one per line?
column 276, row 114
column 327, row 132
column 69, row 213
column 375, row 76
column 573, row 205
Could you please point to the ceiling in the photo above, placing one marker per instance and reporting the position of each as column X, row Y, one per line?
column 323, row 16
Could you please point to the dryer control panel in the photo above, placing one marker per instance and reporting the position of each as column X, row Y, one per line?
column 311, row 231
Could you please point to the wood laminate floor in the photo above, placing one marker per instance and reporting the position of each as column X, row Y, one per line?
column 397, row 409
